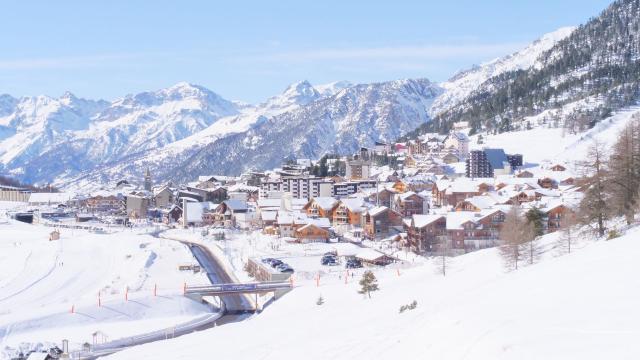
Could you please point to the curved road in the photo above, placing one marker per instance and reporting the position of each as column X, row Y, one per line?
column 234, row 304
column 235, row 308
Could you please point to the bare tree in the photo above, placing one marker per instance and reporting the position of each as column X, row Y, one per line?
column 568, row 233
column 511, row 236
column 530, row 240
column 624, row 173
column 594, row 207
column 443, row 260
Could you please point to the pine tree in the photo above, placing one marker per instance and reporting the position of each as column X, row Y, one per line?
column 536, row 218
column 368, row 283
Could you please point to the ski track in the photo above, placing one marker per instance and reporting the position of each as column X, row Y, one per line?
column 49, row 272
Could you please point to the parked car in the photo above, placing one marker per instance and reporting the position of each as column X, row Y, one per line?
column 353, row 264
column 275, row 263
column 328, row 259
column 287, row 270
column 282, row 266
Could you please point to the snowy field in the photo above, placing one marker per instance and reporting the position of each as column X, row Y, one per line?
column 549, row 144
column 42, row 281
column 581, row 305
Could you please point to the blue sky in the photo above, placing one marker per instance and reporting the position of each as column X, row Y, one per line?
column 249, row 50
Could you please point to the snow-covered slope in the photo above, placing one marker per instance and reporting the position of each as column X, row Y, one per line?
column 356, row 116
column 464, row 83
column 581, row 305
column 70, row 140
column 300, row 122
column 42, row 280
column 46, row 137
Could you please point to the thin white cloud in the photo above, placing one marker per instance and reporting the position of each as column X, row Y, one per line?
column 64, row 62
column 423, row 52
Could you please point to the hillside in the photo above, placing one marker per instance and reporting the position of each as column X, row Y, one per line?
column 597, row 63
column 459, row 87
column 476, row 312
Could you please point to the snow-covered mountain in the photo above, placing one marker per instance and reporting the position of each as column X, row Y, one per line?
column 353, row 117
column 44, row 138
column 66, row 140
column 462, row 84
column 572, row 79
column 301, row 122
column 187, row 129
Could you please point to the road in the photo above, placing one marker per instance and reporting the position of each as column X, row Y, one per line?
column 234, row 304
column 236, row 308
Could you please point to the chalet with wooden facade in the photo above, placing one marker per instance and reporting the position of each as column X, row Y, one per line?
column 409, row 203
column 322, row 206
column 379, row 221
column 425, row 231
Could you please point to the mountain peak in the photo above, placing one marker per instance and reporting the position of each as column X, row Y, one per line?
column 185, row 89
column 300, row 88
column 333, row 88
column 298, row 93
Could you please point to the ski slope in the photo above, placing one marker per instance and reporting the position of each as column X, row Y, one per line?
column 581, row 305
column 41, row 281
column 543, row 144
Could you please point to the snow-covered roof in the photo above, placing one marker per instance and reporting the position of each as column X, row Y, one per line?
column 325, row 202
column 375, row 211
column 320, row 222
column 406, row 195
column 466, row 185
column 355, row 204
column 268, row 215
column 269, row 203
column 38, row 356
column 50, row 198
column 457, row 218
column 236, row 204
column 369, row 254
column 422, row 220
column 242, row 188
column 481, row 201
column 313, row 223
column 289, row 217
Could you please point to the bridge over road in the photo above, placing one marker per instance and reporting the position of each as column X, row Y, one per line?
column 223, row 290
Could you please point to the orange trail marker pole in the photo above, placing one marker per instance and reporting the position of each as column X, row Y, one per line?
column 398, row 270
column 155, row 290
column 99, row 300
column 126, row 294
column 73, row 310
column 318, row 280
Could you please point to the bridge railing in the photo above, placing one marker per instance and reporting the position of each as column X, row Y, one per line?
column 238, row 287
